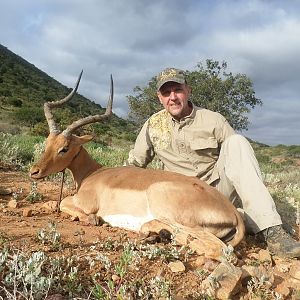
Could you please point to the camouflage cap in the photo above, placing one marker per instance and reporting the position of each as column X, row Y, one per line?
column 170, row 74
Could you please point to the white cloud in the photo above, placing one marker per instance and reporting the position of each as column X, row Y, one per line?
column 135, row 39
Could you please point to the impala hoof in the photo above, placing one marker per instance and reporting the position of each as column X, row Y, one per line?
column 91, row 219
column 150, row 239
column 164, row 236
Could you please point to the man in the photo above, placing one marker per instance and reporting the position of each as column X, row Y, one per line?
column 198, row 142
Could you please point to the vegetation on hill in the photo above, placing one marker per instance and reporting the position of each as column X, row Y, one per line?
column 23, row 90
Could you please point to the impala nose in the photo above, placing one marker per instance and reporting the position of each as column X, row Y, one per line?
column 34, row 172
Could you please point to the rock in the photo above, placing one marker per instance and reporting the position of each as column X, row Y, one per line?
column 282, row 267
column 210, row 264
column 283, row 290
column 27, row 212
column 295, row 270
column 293, row 283
column 115, row 278
column 176, row 266
column 200, row 261
column 253, row 256
column 160, row 272
column 5, row 192
column 264, row 256
column 79, row 232
column 50, row 205
column 257, row 272
column 13, row 204
column 224, row 281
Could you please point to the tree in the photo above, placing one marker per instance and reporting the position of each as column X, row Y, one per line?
column 212, row 87
column 144, row 104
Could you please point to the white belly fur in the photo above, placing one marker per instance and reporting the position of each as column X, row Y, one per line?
column 127, row 221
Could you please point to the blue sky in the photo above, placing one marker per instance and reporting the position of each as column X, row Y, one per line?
column 135, row 39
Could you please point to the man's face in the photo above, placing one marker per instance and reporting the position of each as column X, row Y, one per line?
column 174, row 97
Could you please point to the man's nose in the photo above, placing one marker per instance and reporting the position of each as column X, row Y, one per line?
column 173, row 95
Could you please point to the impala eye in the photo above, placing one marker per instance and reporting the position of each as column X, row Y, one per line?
column 63, row 150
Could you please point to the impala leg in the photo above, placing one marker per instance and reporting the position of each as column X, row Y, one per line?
column 202, row 242
column 67, row 206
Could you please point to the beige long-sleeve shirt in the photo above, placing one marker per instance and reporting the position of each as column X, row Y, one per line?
column 190, row 146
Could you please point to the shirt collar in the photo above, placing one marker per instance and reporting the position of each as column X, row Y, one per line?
column 188, row 119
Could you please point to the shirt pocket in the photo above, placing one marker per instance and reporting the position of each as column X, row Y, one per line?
column 202, row 144
column 204, row 150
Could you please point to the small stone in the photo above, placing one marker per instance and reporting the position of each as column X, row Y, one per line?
column 224, row 281
column 264, row 256
column 27, row 212
column 13, row 204
column 257, row 272
column 200, row 261
column 295, row 270
column 282, row 267
column 176, row 266
column 210, row 264
column 115, row 278
column 50, row 205
column 79, row 232
column 283, row 290
column 253, row 256
column 5, row 192
column 160, row 272
column 293, row 283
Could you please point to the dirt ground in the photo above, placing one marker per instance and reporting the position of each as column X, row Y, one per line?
column 19, row 225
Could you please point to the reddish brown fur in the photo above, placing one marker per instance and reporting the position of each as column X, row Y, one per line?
column 169, row 196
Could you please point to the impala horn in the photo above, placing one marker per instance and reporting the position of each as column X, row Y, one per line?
column 49, row 105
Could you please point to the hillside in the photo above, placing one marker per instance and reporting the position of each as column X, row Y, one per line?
column 23, row 90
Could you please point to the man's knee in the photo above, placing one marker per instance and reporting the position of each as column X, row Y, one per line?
column 237, row 141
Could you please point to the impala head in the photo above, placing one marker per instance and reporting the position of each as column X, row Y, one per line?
column 62, row 148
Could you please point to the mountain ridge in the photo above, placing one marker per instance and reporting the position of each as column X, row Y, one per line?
column 23, row 90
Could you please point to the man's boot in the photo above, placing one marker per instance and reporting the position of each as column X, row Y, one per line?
column 281, row 243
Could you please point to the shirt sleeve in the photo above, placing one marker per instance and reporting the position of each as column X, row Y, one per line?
column 143, row 152
column 223, row 129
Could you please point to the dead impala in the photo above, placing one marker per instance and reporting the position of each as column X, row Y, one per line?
column 138, row 199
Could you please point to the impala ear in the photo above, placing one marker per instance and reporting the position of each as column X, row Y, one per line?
column 85, row 138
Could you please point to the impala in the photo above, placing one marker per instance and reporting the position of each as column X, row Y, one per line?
column 133, row 198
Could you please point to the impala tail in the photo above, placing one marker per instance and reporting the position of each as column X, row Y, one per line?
column 239, row 231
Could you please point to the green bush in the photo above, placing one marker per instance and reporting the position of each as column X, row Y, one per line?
column 28, row 115
column 15, row 101
column 17, row 149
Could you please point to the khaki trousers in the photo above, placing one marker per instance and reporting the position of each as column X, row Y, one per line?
column 241, row 181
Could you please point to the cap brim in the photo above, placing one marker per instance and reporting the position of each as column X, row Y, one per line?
column 169, row 80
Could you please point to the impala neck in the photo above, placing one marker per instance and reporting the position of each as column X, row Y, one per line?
column 82, row 166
